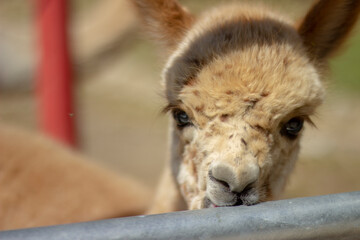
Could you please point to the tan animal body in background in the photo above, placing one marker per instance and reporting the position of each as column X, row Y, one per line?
column 240, row 82
column 44, row 183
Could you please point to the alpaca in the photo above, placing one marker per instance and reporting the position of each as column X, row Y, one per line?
column 43, row 183
column 240, row 83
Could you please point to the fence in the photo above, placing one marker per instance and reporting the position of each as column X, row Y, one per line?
column 327, row 217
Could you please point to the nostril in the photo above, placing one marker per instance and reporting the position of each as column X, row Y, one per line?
column 221, row 182
column 227, row 176
column 234, row 177
column 221, row 193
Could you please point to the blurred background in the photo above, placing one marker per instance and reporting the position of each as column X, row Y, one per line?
column 118, row 94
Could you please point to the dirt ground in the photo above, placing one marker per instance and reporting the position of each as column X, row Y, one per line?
column 120, row 126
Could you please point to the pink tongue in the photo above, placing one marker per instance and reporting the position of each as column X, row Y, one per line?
column 213, row 205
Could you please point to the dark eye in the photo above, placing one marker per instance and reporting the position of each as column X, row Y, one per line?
column 292, row 128
column 181, row 118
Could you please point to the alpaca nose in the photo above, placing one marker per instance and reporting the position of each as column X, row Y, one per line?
column 235, row 178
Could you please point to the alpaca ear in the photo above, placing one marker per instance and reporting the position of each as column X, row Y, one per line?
column 166, row 20
column 327, row 25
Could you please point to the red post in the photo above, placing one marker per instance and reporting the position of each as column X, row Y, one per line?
column 54, row 92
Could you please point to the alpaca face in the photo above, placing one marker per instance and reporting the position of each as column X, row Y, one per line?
column 240, row 84
column 239, row 116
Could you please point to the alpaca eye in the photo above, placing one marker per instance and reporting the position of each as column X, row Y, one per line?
column 181, row 118
column 292, row 128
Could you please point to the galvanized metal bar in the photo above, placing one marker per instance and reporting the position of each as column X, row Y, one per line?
column 327, row 217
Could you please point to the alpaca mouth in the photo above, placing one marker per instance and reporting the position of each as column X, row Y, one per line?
column 248, row 199
column 207, row 203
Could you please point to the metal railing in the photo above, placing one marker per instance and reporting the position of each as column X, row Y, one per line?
column 327, row 217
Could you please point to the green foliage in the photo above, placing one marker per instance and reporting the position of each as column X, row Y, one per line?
column 346, row 67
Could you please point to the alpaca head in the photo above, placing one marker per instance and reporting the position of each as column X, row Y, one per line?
column 241, row 82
